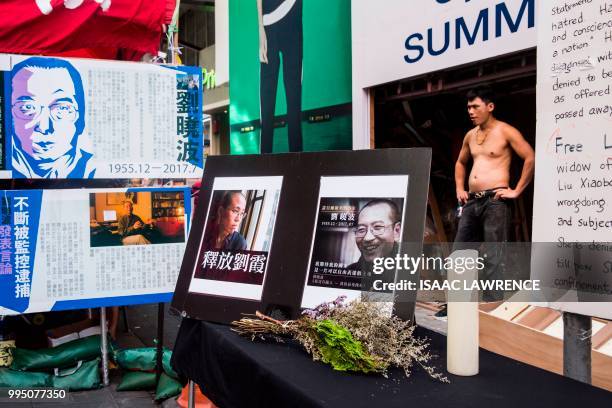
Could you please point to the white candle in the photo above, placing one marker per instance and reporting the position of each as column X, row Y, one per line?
column 462, row 317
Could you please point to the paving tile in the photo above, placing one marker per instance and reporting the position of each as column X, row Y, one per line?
column 102, row 397
column 143, row 323
column 16, row 404
column 136, row 403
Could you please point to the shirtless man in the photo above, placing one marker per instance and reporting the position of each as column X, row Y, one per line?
column 486, row 213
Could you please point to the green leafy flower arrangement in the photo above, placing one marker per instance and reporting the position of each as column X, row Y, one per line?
column 360, row 336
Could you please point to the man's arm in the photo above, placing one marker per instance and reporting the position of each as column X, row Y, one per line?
column 125, row 229
column 137, row 226
column 122, row 226
column 263, row 40
column 460, row 170
column 524, row 150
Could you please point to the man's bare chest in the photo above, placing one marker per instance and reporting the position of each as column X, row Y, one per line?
column 494, row 146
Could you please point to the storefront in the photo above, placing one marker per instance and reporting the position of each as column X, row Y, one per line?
column 413, row 93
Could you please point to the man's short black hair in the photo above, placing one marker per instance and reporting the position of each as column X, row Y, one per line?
column 483, row 92
column 395, row 214
column 226, row 198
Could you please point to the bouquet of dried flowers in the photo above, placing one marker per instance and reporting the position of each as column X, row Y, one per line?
column 360, row 336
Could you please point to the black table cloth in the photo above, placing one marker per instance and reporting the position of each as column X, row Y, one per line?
column 235, row 372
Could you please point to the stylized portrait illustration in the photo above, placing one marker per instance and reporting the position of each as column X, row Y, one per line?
column 48, row 119
column 280, row 32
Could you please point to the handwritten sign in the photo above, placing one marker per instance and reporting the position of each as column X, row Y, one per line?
column 573, row 185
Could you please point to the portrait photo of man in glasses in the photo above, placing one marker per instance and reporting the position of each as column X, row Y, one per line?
column 238, row 233
column 377, row 233
column 223, row 230
column 48, row 119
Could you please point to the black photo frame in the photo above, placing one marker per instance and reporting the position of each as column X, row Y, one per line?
column 297, row 209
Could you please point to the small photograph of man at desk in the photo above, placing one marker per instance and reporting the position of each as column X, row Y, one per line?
column 136, row 218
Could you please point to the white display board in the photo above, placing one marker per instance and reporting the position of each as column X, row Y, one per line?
column 83, row 118
column 74, row 249
column 340, row 271
column 237, row 267
column 573, row 179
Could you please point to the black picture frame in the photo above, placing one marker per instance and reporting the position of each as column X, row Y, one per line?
column 297, row 209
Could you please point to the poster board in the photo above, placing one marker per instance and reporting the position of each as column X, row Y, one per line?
column 294, row 228
column 573, row 179
column 338, row 255
column 79, row 248
column 305, row 83
column 82, row 118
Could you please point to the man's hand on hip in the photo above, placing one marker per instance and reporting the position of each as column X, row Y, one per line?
column 506, row 194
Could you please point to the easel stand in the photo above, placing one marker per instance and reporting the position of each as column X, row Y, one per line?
column 104, row 346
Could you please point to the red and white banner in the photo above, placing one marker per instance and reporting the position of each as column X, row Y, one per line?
column 55, row 26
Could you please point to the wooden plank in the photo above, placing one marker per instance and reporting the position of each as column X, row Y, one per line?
column 533, row 347
column 601, row 365
column 488, row 306
column 602, row 336
column 509, row 310
column 521, row 343
column 606, row 348
column 539, row 318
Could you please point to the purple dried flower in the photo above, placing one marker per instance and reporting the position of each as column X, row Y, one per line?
column 339, row 301
column 324, row 309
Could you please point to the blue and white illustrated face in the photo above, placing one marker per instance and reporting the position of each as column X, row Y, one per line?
column 45, row 112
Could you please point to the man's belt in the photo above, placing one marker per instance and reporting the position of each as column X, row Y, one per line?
column 484, row 193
